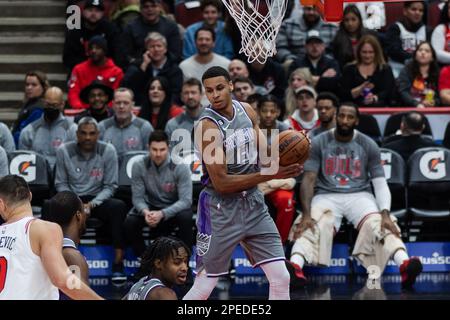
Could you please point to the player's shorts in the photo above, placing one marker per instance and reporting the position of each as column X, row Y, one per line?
column 353, row 206
column 223, row 221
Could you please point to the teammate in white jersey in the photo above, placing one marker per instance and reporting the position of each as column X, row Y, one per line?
column 31, row 263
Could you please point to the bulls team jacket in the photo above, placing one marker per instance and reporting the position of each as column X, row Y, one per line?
column 44, row 138
column 133, row 137
column 86, row 72
column 167, row 187
column 93, row 175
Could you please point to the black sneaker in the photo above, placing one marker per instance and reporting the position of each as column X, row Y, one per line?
column 118, row 273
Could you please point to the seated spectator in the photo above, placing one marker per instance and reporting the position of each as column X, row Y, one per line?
column 97, row 67
column 156, row 61
column 279, row 192
column 162, row 196
column 327, row 104
column 418, row 80
column 6, row 138
column 93, row 23
column 270, row 76
column 132, row 40
column 51, row 130
column 403, row 37
column 97, row 96
column 305, row 117
column 351, row 29
column 191, row 95
column 411, row 139
column 122, row 12
column 369, row 81
column 36, row 83
column 292, row 35
column 4, row 163
column 211, row 10
column 157, row 107
column 124, row 130
column 238, row 68
column 444, row 86
column 298, row 78
column 196, row 65
column 253, row 101
column 242, row 88
column 325, row 70
column 89, row 168
column 440, row 39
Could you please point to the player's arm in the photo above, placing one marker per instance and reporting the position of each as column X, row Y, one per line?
column 306, row 195
column 46, row 241
column 213, row 156
column 74, row 258
column 162, row 293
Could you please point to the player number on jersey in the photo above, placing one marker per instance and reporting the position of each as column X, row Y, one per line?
column 3, row 267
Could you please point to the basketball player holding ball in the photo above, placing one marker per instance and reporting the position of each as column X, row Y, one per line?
column 231, row 208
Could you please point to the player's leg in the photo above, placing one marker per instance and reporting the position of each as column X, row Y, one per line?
column 283, row 201
column 279, row 280
column 363, row 213
column 218, row 233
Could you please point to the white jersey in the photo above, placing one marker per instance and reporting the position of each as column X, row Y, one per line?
column 22, row 275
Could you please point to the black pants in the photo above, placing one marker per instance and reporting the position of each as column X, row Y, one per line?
column 134, row 224
column 111, row 212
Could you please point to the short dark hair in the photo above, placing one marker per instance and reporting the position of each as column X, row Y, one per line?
column 243, row 79
column 62, row 207
column 348, row 104
column 269, row 98
column 193, row 82
column 14, row 189
column 214, row 3
column 255, row 97
column 408, row 4
column 328, row 96
column 158, row 136
column 414, row 121
column 216, row 72
column 162, row 248
column 206, row 28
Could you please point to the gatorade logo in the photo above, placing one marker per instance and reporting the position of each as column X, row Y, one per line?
column 386, row 162
column 195, row 165
column 24, row 165
column 432, row 165
column 131, row 163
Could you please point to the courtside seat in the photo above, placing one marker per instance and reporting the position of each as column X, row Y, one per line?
column 368, row 125
column 393, row 124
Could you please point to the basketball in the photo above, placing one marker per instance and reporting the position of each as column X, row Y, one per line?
column 293, row 147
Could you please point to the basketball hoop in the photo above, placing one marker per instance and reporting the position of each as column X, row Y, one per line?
column 258, row 31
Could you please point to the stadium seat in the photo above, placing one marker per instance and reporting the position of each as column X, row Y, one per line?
column 368, row 125
column 125, row 169
column 34, row 168
column 446, row 141
column 393, row 124
column 429, row 188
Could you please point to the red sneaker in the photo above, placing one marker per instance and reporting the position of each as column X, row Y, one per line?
column 409, row 270
column 298, row 278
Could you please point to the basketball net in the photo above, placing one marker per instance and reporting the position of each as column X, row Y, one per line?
column 258, row 31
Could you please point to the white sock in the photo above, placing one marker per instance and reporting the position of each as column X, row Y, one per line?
column 400, row 256
column 279, row 280
column 298, row 259
column 202, row 288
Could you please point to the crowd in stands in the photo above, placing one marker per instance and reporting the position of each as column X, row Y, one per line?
column 134, row 73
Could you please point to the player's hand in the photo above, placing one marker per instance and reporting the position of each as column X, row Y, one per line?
column 388, row 224
column 305, row 224
column 290, row 171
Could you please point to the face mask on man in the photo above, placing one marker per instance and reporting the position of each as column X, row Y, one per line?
column 51, row 114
